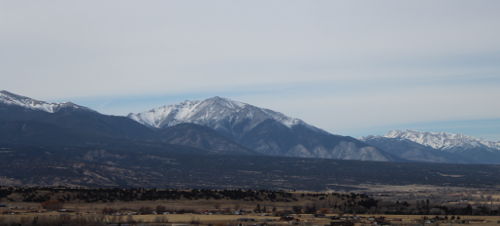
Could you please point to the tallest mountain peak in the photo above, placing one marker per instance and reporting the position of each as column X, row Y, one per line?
column 214, row 112
column 218, row 98
column 226, row 102
column 259, row 129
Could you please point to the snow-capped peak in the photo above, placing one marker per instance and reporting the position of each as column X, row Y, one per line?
column 442, row 140
column 213, row 112
column 26, row 102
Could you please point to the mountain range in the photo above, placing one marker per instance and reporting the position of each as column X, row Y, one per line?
column 437, row 147
column 220, row 126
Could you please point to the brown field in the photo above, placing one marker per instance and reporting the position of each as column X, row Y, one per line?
column 242, row 212
column 249, row 219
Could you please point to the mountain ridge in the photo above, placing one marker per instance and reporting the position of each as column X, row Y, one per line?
column 443, row 140
column 198, row 112
column 260, row 129
column 9, row 98
column 437, row 147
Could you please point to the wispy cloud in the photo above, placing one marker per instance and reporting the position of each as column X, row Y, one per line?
column 341, row 65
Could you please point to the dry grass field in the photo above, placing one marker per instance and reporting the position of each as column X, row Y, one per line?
column 246, row 219
column 287, row 208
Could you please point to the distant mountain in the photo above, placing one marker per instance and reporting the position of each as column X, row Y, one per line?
column 231, row 117
column 411, row 151
column 28, row 121
column 263, row 130
column 448, row 142
column 9, row 98
column 436, row 147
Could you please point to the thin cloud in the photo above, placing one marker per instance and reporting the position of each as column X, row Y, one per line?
column 320, row 53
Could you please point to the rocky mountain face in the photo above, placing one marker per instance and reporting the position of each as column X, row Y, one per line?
column 262, row 130
column 192, row 135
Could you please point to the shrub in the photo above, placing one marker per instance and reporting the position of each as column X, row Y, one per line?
column 52, row 205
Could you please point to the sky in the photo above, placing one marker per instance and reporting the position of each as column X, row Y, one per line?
column 350, row 67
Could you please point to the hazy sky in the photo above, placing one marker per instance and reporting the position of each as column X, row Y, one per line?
column 350, row 67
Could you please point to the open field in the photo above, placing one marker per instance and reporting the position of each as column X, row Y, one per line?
column 396, row 205
column 55, row 218
column 442, row 194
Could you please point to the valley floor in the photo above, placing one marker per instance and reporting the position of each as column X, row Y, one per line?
column 53, row 218
column 379, row 204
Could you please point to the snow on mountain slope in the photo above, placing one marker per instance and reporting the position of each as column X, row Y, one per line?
column 261, row 130
column 26, row 102
column 211, row 112
column 443, row 141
